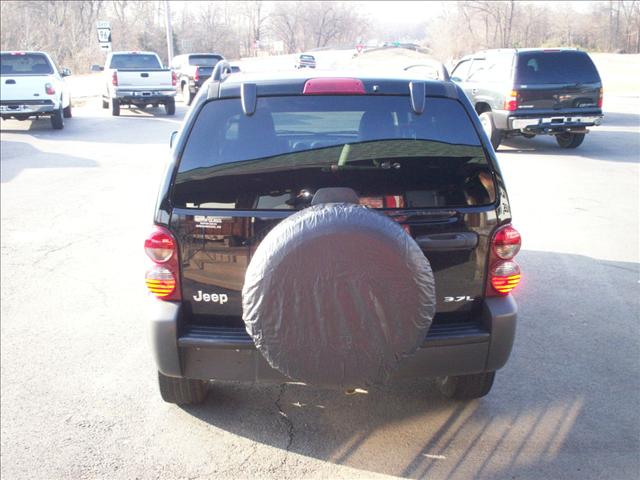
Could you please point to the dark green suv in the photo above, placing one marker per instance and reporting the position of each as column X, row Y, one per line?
column 531, row 92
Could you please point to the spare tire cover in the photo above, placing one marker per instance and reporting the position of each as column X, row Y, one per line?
column 338, row 294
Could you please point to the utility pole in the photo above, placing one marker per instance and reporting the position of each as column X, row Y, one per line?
column 167, row 20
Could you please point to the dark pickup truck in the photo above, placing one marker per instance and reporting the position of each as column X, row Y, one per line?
column 338, row 231
column 531, row 92
column 192, row 70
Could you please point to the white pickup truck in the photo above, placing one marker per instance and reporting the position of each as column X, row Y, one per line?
column 138, row 79
column 32, row 86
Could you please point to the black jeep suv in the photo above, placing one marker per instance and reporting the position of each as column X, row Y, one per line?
column 533, row 92
column 333, row 230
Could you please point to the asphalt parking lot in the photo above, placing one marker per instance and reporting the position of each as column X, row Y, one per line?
column 79, row 394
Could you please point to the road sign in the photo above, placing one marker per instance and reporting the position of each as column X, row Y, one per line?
column 359, row 47
column 104, row 35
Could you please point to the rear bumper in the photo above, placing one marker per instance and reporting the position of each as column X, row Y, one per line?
column 27, row 107
column 547, row 122
column 124, row 94
column 229, row 354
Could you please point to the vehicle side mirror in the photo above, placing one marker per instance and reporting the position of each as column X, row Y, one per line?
column 97, row 68
column 173, row 136
column 65, row 72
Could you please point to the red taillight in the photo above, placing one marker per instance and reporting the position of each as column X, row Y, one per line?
column 114, row 79
column 196, row 76
column 162, row 278
column 394, row 201
column 511, row 101
column 504, row 273
column 505, row 277
column 174, row 78
column 600, row 95
column 506, row 242
column 49, row 89
column 333, row 86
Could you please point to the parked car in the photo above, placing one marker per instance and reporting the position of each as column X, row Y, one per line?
column 334, row 231
column 305, row 61
column 32, row 86
column 531, row 92
column 192, row 70
column 138, row 79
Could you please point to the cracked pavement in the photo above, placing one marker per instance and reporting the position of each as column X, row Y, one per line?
column 79, row 395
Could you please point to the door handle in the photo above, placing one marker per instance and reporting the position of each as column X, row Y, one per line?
column 448, row 241
column 144, row 75
column 11, row 81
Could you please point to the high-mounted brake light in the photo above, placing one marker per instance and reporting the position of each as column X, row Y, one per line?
column 196, row 76
column 163, row 278
column 49, row 89
column 174, row 78
column 511, row 101
column 333, row 86
column 114, row 79
column 504, row 273
column 18, row 53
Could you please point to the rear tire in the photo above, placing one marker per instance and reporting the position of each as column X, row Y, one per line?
column 57, row 119
column 494, row 134
column 466, row 387
column 66, row 112
column 182, row 391
column 170, row 106
column 115, row 107
column 187, row 98
column 570, row 140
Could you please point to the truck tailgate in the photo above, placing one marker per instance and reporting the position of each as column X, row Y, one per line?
column 144, row 79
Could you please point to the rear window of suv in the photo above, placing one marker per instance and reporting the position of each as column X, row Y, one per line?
column 544, row 67
column 277, row 158
column 25, row 64
column 204, row 60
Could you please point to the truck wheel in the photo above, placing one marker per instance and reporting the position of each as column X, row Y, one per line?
column 182, row 391
column 57, row 119
column 105, row 104
column 186, row 94
column 494, row 134
column 466, row 387
column 570, row 140
column 115, row 107
column 170, row 106
column 66, row 112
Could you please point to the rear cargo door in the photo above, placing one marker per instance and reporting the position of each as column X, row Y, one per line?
column 239, row 176
column 205, row 64
column 556, row 80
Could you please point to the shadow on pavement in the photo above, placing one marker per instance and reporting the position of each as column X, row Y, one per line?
column 617, row 140
column 24, row 155
column 564, row 406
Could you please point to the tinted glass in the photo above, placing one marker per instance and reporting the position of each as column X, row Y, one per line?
column 25, row 64
column 555, row 67
column 291, row 146
column 135, row 60
column 204, row 60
